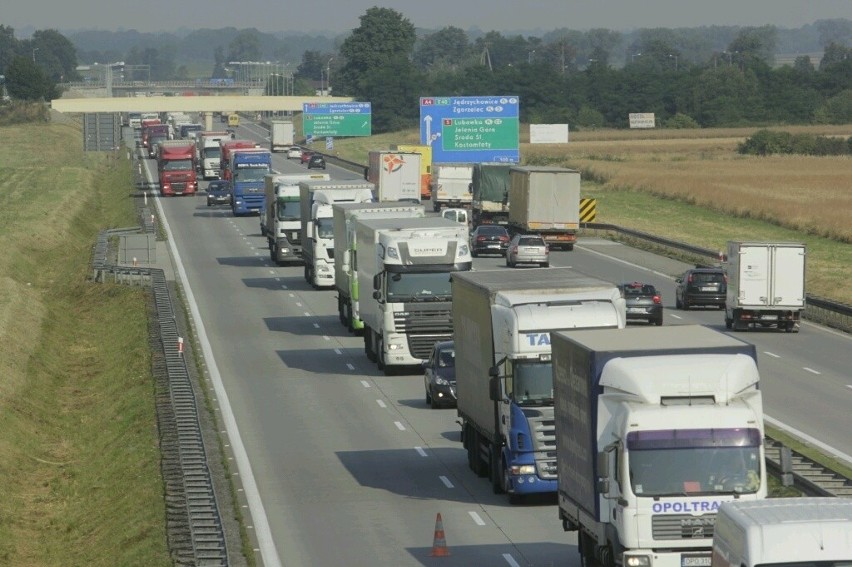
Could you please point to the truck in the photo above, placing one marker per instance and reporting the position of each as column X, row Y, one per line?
column 281, row 135
column 783, row 531
column 145, row 123
column 346, row 251
column 316, row 199
column 425, row 152
column 283, row 226
column 766, row 285
column 153, row 135
column 208, row 146
column 451, row 185
column 248, row 167
column 176, row 167
column 229, row 146
column 396, row 175
column 502, row 326
column 404, row 268
column 489, row 190
column 545, row 201
column 186, row 129
column 655, row 429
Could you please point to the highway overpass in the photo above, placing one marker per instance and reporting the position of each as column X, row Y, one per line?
column 189, row 103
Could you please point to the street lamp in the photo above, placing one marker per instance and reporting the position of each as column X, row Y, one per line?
column 328, row 74
column 675, row 58
column 634, row 56
column 529, row 57
column 34, row 50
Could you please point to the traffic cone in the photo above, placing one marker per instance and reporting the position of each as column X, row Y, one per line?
column 439, row 543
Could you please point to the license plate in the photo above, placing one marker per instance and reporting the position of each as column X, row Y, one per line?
column 694, row 561
column 770, row 317
column 635, row 309
column 494, row 246
column 708, row 288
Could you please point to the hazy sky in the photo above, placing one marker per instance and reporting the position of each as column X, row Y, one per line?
column 343, row 15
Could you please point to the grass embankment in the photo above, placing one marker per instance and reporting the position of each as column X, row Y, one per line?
column 692, row 186
column 79, row 457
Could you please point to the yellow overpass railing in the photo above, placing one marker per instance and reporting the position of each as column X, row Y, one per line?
column 189, row 103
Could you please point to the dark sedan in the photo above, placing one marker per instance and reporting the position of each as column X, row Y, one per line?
column 643, row 301
column 489, row 239
column 316, row 161
column 218, row 193
column 439, row 376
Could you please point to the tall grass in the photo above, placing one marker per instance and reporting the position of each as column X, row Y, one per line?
column 79, row 458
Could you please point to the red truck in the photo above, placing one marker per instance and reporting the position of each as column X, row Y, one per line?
column 144, row 127
column 176, row 167
column 227, row 147
column 153, row 135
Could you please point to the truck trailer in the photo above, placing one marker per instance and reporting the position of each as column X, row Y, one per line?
column 546, row 201
column 346, row 251
column 396, row 175
column 655, row 429
column 766, row 285
column 425, row 152
column 281, row 219
column 176, row 167
column 316, row 199
column 502, row 324
column 281, row 135
column 489, row 189
column 404, row 268
column 208, row 146
column 451, row 185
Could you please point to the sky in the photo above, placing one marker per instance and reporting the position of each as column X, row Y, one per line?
column 312, row 16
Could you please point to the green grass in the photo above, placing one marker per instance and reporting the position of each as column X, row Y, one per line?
column 79, row 456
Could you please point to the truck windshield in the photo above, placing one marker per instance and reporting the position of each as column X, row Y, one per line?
column 696, row 461
column 531, row 382
column 249, row 174
column 288, row 210
column 177, row 165
column 325, row 228
column 213, row 152
column 420, row 286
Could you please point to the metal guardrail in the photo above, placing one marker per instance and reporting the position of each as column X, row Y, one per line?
column 194, row 524
column 817, row 309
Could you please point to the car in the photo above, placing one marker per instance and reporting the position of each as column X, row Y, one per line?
column 316, row 161
column 527, row 249
column 294, row 152
column 439, row 375
column 218, row 193
column 305, row 156
column 644, row 302
column 701, row 287
column 489, row 239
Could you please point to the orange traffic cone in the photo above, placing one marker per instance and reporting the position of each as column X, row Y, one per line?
column 439, row 544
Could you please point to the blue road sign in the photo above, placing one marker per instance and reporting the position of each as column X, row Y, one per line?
column 463, row 129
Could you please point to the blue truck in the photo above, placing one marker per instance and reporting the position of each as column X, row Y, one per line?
column 248, row 168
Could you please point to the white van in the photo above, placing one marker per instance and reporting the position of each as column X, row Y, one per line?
column 800, row 532
column 457, row 215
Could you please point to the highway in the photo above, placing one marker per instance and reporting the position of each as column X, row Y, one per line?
column 351, row 467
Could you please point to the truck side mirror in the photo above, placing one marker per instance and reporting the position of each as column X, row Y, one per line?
column 309, row 229
column 377, row 282
column 603, row 464
column 603, row 486
column 377, row 295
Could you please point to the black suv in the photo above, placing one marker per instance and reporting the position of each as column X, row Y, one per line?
column 701, row 287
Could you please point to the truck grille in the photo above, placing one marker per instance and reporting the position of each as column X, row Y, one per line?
column 682, row 526
column 424, row 325
column 179, row 187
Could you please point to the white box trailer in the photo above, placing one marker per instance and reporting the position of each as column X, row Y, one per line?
column 784, row 531
column 766, row 285
column 545, row 200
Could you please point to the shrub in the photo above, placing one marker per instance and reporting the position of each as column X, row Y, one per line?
column 681, row 121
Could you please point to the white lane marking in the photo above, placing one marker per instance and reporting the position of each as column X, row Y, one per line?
column 446, row 482
column 670, row 314
column 381, row 404
column 337, row 351
column 284, row 287
column 365, row 383
column 772, row 354
column 421, row 452
column 812, row 371
column 625, row 262
column 291, row 294
column 326, row 337
column 479, row 521
column 849, row 386
column 298, row 304
column 350, row 367
column 399, row 425
column 511, row 560
column 316, row 325
column 807, row 438
column 307, row 314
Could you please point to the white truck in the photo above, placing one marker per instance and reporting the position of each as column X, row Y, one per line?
column 396, row 175
column 346, row 251
column 281, row 220
column 315, row 215
column 281, row 135
column 502, row 323
column 545, row 200
column 655, row 429
column 784, row 531
column 404, row 268
column 451, row 185
column 209, row 152
column 766, row 285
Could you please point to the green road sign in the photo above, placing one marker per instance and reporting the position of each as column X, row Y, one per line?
column 465, row 134
column 337, row 124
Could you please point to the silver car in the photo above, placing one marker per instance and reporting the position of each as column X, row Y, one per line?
column 528, row 249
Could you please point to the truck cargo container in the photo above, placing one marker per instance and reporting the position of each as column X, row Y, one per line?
column 425, row 152
column 451, row 185
column 502, row 324
column 396, row 175
column 545, row 201
column 229, row 146
column 655, row 429
column 489, row 189
column 208, row 145
column 281, row 135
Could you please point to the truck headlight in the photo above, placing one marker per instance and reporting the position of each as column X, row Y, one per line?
column 392, row 253
column 637, row 561
column 464, row 250
column 523, row 469
column 394, row 346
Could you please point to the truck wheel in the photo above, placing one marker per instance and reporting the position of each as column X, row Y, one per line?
column 496, row 471
column 729, row 323
column 368, row 346
column 569, row 247
column 380, row 355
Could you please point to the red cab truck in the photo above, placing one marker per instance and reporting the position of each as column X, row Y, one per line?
column 229, row 146
column 176, row 167
column 146, row 123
